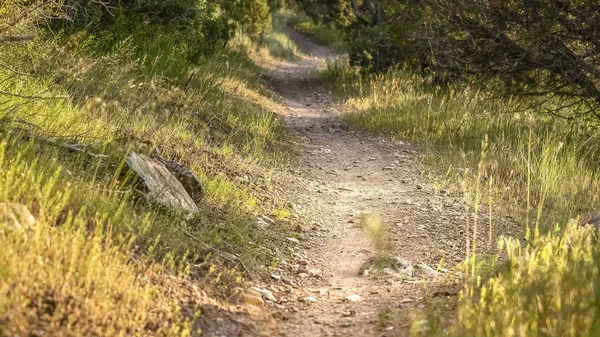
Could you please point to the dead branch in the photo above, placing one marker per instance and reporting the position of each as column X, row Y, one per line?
column 220, row 254
column 13, row 70
column 24, row 15
column 3, row 92
column 15, row 38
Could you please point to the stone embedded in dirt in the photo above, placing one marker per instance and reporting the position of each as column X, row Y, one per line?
column 276, row 277
column 163, row 187
column 310, row 299
column 349, row 313
column 16, row 216
column 323, row 291
column 444, row 192
column 353, row 298
column 346, row 324
column 303, row 262
column 389, row 328
column 406, row 300
column 303, row 275
column 388, row 168
column 294, row 240
column 253, row 296
column 419, row 186
column 266, row 294
column 427, row 268
column 253, row 300
column 268, row 219
column 314, row 273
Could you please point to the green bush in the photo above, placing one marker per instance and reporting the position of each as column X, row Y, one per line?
column 189, row 29
column 252, row 16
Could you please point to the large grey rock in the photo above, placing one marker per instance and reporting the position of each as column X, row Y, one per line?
column 163, row 187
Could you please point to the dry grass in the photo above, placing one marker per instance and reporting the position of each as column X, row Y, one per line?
column 100, row 257
column 530, row 157
column 510, row 161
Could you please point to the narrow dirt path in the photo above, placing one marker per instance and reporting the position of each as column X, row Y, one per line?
column 346, row 174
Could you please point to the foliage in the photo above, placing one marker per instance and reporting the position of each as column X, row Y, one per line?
column 538, row 169
column 547, row 288
column 129, row 76
column 19, row 18
column 541, row 49
column 64, row 276
column 190, row 27
column 510, row 161
column 321, row 33
column 253, row 16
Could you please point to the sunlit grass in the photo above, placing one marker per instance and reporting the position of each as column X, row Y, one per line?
column 101, row 256
column 321, row 33
column 452, row 126
column 272, row 45
column 506, row 160
column 548, row 287
column 67, row 271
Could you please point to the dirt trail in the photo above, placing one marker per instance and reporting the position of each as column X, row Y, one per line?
column 346, row 174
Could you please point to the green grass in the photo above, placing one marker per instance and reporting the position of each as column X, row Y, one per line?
column 529, row 158
column 101, row 258
column 546, row 288
column 272, row 45
column 321, row 33
column 507, row 160
column 67, row 272
column 279, row 45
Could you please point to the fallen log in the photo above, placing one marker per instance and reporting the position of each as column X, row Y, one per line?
column 163, row 186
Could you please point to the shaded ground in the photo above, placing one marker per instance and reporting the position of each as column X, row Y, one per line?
column 344, row 174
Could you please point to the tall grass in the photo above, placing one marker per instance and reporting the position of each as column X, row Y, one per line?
column 321, row 33
column 511, row 161
column 101, row 259
column 528, row 153
column 68, row 272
